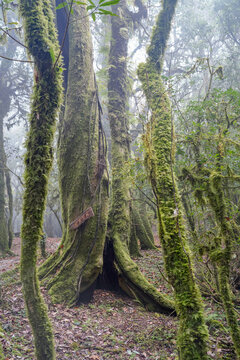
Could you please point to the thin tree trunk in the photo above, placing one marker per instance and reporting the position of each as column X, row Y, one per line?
column 5, row 100
column 10, row 208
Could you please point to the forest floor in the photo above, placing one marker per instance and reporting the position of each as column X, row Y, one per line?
column 111, row 326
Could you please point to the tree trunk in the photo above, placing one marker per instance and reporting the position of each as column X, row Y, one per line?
column 10, row 208
column 71, row 273
column 192, row 334
column 85, row 259
column 5, row 102
column 3, row 223
column 223, row 253
column 130, row 278
column 141, row 233
column 133, row 243
column 42, row 45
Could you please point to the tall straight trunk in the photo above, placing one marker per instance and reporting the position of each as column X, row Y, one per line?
column 71, row 273
column 42, row 44
column 10, row 208
column 192, row 333
column 5, row 102
column 3, row 222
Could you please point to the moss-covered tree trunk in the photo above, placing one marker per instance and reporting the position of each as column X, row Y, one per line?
column 85, row 257
column 71, row 273
column 130, row 278
column 192, row 334
column 42, row 44
column 222, row 255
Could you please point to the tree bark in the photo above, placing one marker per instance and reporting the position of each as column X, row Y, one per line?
column 130, row 278
column 5, row 102
column 42, row 45
column 85, row 258
column 71, row 273
column 192, row 333
column 141, row 233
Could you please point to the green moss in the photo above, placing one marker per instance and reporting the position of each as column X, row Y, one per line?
column 83, row 182
column 192, row 333
column 137, row 284
column 2, row 357
column 41, row 42
column 223, row 251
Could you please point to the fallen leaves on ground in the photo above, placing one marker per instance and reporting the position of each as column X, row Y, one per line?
column 109, row 327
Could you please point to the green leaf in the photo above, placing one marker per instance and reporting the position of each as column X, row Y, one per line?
column 62, row 5
column 91, row 2
column 109, row 3
column 93, row 16
column 105, row 12
column 90, row 7
column 79, row 2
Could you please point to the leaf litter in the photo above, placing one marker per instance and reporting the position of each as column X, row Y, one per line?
column 111, row 326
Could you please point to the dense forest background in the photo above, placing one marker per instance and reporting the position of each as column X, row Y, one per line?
column 145, row 156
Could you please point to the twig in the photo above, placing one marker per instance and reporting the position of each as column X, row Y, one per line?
column 164, row 277
column 13, row 38
column 23, row 61
column 6, row 168
column 145, row 195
